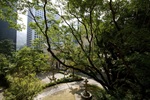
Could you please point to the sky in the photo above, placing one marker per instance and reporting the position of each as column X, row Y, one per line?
column 22, row 35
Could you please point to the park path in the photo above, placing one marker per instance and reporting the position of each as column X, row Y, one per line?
column 1, row 93
column 60, row 87
column 57, row 88
column 54, row 89
column 44, row 78
column 1, row 96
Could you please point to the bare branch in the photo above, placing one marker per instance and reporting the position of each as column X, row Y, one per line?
column 35, row 21
column 113, row 15
column 45, row 17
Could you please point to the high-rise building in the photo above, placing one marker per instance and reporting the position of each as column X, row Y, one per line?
column 31, row 34
column 7, row 33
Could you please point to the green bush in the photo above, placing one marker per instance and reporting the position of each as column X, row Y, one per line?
column 22, row 88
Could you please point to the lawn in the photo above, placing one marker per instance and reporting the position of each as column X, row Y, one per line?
column 61, row 95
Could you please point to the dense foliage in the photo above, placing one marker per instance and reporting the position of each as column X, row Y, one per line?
column 29, row 60
column 8, row 13
column 108, row 40
column 7, row 48
column 6, row 53
column 22, row 88
column 19, row 73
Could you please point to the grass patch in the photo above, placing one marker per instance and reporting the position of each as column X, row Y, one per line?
column 61, row 95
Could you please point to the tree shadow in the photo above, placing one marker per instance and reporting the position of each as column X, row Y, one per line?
column 2, row 90
column 76, row 87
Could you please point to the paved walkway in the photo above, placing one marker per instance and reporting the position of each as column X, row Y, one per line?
column 44, row 77
column 1, row 96
column 1, row 93
column 51, row 90
column 60, row 87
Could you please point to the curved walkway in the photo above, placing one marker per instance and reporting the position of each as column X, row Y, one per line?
column 60, row 87
column 1, row 93
column 54, row 89
column 57, row 88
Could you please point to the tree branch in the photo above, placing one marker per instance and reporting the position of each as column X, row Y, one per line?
column 113, row 15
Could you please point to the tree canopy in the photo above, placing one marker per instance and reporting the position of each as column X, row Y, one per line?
column 106, row 39
column 6, row 47
column 20, row 73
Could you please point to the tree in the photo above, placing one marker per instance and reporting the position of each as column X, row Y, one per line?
column 22, row 88
column 100, row 38
column 4, row 64
column 7, row 47
column 29, row 60
column 6, row 52
column 4, row 68
column 23, row 83
column 9, row 9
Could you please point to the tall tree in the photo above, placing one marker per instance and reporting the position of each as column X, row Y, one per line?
column 27, row 61
column 9, row 13
column 23, row 83
column 100, row 38
column 6, row 53
column 7, row 47
column 22, row 88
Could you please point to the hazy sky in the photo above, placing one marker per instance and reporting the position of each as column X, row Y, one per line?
column 22, row 35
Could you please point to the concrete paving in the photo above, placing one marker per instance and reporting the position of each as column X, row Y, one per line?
column 1, row 93
column 60, row 87
column 1, row 96
column 45, row 77
column 57, row 88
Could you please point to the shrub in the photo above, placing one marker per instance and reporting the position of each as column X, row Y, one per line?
column 22, row 88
